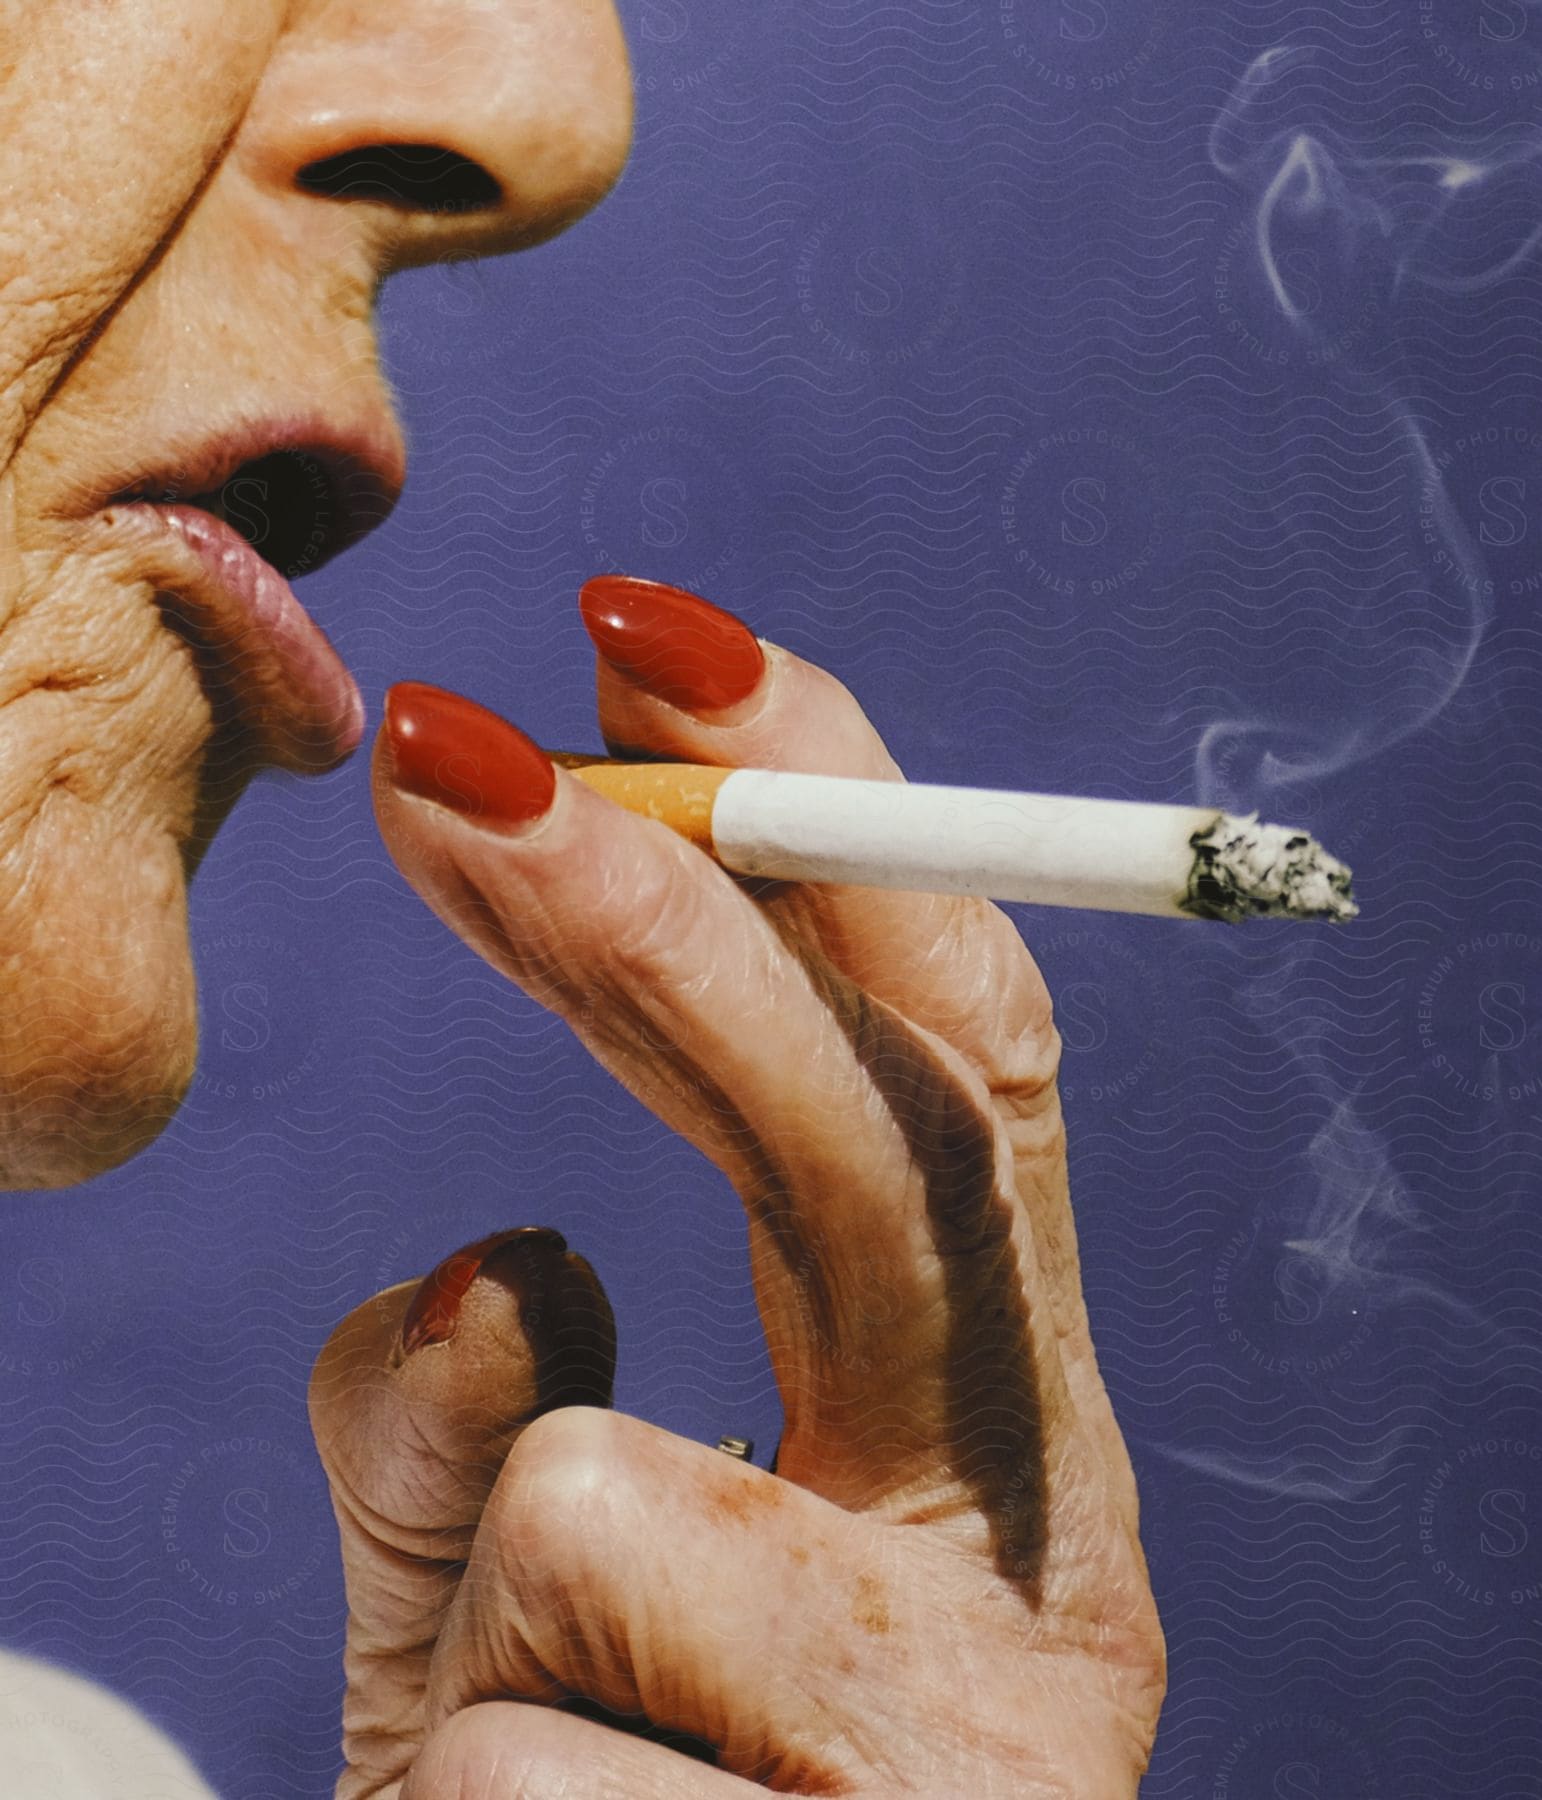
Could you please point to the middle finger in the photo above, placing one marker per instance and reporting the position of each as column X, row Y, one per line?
column 681, row 679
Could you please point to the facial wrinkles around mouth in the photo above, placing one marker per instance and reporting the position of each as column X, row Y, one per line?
column 101, row 718
column 141, row 595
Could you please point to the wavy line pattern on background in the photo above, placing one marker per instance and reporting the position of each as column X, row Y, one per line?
column 1144, row 401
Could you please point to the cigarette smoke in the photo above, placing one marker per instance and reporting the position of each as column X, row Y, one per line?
column 1342, row 237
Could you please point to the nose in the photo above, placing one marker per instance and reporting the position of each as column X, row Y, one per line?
column 459, row 127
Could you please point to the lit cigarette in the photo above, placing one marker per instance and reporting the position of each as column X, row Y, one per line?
column 1175, row 862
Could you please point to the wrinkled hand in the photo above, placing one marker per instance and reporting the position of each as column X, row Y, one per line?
column 941, row 1591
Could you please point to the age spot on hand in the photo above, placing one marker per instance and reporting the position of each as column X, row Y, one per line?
column 742, row 1502
column 870, row 1606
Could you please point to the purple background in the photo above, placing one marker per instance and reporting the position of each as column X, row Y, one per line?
column 1110, row 421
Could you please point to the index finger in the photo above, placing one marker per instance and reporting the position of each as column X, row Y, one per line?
column 861, row 1146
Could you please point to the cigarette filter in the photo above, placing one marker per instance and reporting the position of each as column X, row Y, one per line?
column 1190, row 862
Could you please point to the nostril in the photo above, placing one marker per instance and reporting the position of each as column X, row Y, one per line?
column 416, row 177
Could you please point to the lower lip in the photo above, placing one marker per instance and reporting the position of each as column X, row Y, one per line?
column 293, row 694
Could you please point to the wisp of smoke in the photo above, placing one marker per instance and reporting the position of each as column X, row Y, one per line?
column 1381, row 225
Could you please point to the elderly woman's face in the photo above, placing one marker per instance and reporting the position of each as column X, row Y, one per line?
column 199, row 199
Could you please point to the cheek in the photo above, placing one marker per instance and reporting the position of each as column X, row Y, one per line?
column 125, row 107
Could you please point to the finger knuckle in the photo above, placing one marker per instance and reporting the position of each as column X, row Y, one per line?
column 981, row 957
column 628, row 963
column 658, row 907
column 557, row 1501
column 1031, row 1066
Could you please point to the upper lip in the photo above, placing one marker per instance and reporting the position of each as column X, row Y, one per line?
column 359, row 468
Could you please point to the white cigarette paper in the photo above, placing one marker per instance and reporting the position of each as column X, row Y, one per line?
column 1180, row 862
column 1176, row 862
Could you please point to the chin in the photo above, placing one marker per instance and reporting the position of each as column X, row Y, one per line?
column 99, row 1036
column 96, row 1060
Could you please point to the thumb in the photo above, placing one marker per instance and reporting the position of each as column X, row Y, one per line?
column 415, row 1402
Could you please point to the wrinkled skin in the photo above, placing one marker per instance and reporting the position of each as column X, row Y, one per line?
column 162, row 273
column 941, row 1591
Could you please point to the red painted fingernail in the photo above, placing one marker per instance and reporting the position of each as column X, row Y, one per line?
column 434, row 1313
column 676, row 645
column 461, row 756
column 563, row 1313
